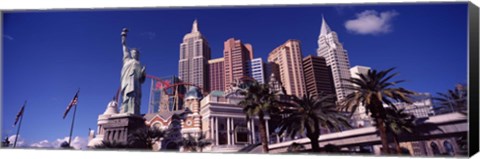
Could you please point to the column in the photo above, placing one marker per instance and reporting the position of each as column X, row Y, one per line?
column 229, row 140
column 125, row 135
column 253, row 131
column 266, row 128
column 211, row 127
column 249, row 136
column 232, row 137
column 216, row 130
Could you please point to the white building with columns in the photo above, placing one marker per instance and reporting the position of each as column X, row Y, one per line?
column 224, row 123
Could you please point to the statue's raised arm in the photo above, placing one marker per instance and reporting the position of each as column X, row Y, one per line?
column 126, row 54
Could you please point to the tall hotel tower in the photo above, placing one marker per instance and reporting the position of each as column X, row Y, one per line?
column 318, row 77
column 336, row 57
column 216, row 73
column 236, row 58
column 194, row 56
column 288, row 57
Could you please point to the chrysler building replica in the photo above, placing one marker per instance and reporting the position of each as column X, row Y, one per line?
column 194, row 56
column 336, row 57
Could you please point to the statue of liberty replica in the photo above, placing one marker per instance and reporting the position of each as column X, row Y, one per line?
column 118, row 126
column 133, row 75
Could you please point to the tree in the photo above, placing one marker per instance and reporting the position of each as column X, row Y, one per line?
column 111, row 145
column 397, row 122
column 145, row 138
column 454, row 100
column 259, row 101
column 373, row 90
column 65, row 145
column 306, row 115
column 194, row 143
column 295, row 147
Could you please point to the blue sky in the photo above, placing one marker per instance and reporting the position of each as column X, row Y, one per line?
column 47, row 55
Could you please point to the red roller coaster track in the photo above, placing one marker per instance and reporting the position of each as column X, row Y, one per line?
column 167, row 85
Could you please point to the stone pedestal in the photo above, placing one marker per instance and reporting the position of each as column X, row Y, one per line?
column 120, row 126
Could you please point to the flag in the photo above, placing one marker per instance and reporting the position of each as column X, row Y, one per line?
column 72, row 103
column 20, row 113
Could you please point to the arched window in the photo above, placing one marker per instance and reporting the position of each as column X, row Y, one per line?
column 435, row 149
column 158, row 125
column 449, row 148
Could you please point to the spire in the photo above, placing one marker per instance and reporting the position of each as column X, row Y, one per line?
column 324, row 29
column 195, row 26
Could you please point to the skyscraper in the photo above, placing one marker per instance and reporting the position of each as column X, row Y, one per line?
column 194, row 56
column 216, row 73
column 288, row 57
column 236, row 58
column 256, row 70
column 336, row 57
column 318, row 77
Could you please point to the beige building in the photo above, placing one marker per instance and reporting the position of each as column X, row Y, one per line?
column 217, row 74
column 288, row 57
column 236, row 58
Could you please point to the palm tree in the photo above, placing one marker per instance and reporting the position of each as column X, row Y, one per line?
column 295, row 148
column 202, row 142
column 398, row 122
column 259, row 100
column 65, row 145
column 373, row 90
column 454, row 100
column 188, row 143
column 191, row 143
column 306, row 115
column 145, row 138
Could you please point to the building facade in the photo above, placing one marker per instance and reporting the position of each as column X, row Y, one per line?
column 194, row 56
column 224, row 123
column 421, row 106
column 288, row 57
column 330, row 48
column 318, row 77
column 256, row 70
column 236, row 58
column 217, row 74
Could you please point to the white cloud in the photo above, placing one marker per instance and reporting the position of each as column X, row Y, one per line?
column 20, row 140
column 371, row 22
column 77, row 143
column 8, row 37
column 341, row 9
column 42, row 144
column 150, row 35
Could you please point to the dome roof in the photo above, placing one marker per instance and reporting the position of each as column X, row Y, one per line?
column 194, row 93
column 111, row 108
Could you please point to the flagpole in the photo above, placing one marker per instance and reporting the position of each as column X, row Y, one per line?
column 73, row 118
column 71, row 127
column 19, row 125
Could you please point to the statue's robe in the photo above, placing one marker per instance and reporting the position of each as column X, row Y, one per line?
column 133, row 75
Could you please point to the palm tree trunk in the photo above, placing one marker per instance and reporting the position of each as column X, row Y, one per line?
column 263, row 132
column 383, row 135
column 313, row 136
column 314, row 143
column 397, row 144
